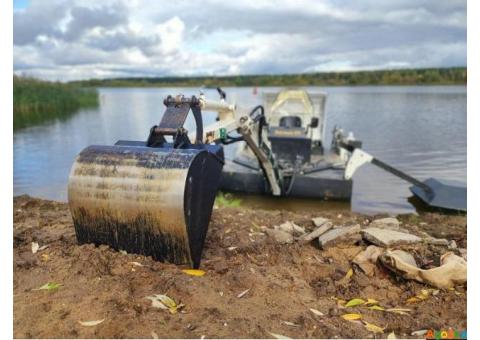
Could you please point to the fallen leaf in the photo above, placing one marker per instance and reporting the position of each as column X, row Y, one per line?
column 316, row 312
column 45, row 257
column 347, row 277
column 340, row 302
column 243, row 293
column 232, row 248
column 156, row 303
column 278, row 336
column 371, row 302
column 288, row 323
column 352, row 316
column 49, row 286
column 376, row 307
column 35, row 247
column 194, row 272
column 355, row 302
column 420, row 332
column 91, row 323
column 413, row 300
column 164, row 302
column 401, row 311
column 138, row 264
column 43, row 247
column 391, row 336
column 373, row 328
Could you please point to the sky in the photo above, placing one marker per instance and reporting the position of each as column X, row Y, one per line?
column 82, row 39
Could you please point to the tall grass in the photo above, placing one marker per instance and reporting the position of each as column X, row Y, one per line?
column 35, row 101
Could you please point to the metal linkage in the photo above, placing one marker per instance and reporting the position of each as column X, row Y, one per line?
column 173, row 120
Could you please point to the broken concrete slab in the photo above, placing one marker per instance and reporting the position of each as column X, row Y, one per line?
column 291, row 228
column 366, row 259
column 437, row 241
column 386, row 223
column 387, row 237
column 280, row 236
column 324, row 227
column 319, row 221
column 339, row 233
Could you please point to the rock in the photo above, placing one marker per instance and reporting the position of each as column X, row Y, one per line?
column 386, row 223
column 405, row 256
column 366, row 259
column 322, row 229
column 291, row 228
column 338, row 233
column 387, row 237
column 452, row 245
column 437, row 241
column 280, row 236
column 319, row 221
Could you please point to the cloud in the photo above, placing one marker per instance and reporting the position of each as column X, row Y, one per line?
column 60, row 39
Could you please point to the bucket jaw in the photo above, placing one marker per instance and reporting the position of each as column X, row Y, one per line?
column 153, row 198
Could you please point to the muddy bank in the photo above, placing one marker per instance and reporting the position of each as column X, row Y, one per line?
column 284, row 282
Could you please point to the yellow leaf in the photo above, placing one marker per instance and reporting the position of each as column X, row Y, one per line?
column 194, row 272
column 347, row 277
column 373, row 328
column 371, row 302
column 376, row 307
column 413, row 300
column 424, row 294
column 355, row 302
column 352, row 316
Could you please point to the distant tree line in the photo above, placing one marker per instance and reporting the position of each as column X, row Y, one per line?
column 427, row 76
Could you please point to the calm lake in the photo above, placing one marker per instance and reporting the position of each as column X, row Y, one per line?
column 421, row 130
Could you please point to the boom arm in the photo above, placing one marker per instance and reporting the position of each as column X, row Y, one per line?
column 228, row 122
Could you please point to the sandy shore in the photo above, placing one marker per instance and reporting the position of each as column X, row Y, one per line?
column 283, row 281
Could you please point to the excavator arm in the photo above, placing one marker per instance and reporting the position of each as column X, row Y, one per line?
column 245, row 125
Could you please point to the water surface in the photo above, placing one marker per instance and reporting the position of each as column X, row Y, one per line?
column 421, row 130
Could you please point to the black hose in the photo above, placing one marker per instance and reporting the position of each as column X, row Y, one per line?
column 260, row 119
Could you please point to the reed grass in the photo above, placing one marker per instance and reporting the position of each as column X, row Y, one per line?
column 36, row 101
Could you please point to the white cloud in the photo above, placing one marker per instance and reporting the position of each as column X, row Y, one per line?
column 60, row 39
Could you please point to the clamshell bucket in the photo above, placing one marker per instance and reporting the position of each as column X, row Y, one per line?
column 152, row 198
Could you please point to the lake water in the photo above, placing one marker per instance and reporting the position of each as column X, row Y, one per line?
column 421, row 130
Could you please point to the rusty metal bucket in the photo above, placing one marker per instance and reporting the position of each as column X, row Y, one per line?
column 156, row 201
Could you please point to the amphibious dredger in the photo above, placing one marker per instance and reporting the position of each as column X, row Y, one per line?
column 293, row 131
column 155, row 197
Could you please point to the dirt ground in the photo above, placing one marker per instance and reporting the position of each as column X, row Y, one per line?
column 284, row 282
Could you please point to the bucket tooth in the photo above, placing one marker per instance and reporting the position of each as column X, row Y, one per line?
column 151, row 201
